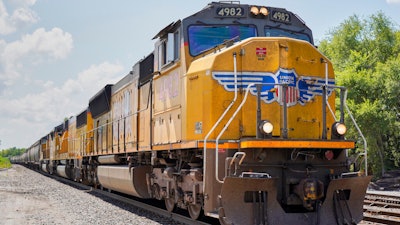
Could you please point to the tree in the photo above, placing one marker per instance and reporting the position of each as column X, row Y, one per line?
column 365, row 54
column 12, row 152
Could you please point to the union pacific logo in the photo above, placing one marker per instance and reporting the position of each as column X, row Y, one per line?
column 301, row 89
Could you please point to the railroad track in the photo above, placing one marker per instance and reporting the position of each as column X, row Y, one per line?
column 381, row 208
column 130, row 200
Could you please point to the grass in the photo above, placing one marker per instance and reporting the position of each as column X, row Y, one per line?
column 4, row 163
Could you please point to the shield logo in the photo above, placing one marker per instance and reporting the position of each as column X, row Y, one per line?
column 288, row 77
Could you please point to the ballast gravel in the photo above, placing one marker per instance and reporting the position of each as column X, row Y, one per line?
column 27, row 197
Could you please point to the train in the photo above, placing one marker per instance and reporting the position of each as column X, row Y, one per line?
column 235, row 115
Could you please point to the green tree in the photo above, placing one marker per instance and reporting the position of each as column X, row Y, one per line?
column 12, row 152
column 365, row 54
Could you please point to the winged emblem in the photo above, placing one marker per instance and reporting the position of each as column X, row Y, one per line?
column 301, row 89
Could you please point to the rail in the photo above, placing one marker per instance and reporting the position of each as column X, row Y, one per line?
column 381, row 208
column 129, row 200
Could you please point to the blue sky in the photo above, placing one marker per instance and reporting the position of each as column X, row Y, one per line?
column 56, row 54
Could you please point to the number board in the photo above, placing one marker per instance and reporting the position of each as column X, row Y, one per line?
column 230, row 12
column 281, row 16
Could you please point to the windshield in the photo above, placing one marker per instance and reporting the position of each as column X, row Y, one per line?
column 204, row 37
column 273, row 32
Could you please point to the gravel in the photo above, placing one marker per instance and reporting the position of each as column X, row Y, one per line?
column 27, row 197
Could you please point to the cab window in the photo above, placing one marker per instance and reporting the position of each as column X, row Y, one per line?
column 273, row 32
column 205, row 37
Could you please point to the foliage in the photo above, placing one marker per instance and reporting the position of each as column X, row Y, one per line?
column 365, row 54
column 12, row 152
column 4, row 163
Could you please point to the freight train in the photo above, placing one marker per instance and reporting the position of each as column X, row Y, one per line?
column 232, row 116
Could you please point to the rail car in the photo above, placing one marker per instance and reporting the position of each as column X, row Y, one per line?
column 232, row 115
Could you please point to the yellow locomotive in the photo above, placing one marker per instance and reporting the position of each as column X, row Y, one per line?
column 232, row 115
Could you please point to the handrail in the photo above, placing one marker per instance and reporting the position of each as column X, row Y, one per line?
column 226, row 110
column 227, row 125
column 245, row 99
column 329, row 107
column 94, row 130
column 224, row 129
column 365, row 153
column 326, row 84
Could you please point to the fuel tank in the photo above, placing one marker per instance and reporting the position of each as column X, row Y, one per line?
column 61, row 171
column 125, row 179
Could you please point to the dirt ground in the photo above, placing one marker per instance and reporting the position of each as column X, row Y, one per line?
column 15, row 207
column 20, row 203
column 27, row 197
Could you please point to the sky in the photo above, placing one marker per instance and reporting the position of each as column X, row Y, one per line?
column 56, row 54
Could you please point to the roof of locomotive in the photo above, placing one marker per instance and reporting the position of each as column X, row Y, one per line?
column 216, row 13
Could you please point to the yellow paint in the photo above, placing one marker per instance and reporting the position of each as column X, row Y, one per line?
column 207, row 99
column 89, row 137
column 196, row 144
column 297, row 144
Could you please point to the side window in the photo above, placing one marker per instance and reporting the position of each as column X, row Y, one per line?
column 167, row 50
column 176, row 45
column 160, row 55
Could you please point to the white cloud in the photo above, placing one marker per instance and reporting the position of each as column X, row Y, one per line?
column 6, row 26
column 55, row 43
column 36, row 114
column 68, row 98
column 24, row 2
column 32, row 49
column 32, row 107
column 32, row 114
column 20, row 17
column 23, row 16
column 393, row 1
column 90, row 81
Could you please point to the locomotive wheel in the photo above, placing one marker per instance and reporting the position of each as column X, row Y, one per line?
column 170, row 204
column 170, row 200
column 194, row 211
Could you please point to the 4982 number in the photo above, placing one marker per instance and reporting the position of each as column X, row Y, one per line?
column 230, row 11
column 281, row 16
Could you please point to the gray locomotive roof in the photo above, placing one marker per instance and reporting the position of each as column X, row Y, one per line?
column 208, row 15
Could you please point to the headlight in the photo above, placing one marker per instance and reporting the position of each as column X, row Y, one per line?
column 340, row 128
column 264, row 11
column 254, row 10
column 266, row 127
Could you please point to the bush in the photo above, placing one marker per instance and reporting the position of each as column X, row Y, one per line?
column 4, row 163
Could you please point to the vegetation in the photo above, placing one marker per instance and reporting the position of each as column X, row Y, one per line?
column 6, row 153
column 12, row 152
column 365, row 54
column 4, row 163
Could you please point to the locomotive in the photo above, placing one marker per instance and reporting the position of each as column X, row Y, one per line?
column 232, row 116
